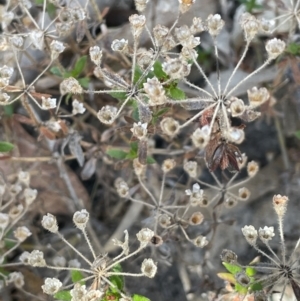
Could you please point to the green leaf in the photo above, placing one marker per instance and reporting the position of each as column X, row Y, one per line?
column 9, row 110
column 293, row 48
column 118, row 281
column 232, row 268
column 137, row 74
column 256, row 287
column 135, row 114
column 227, row 277
column 119, row 95
column 117, row 153
column 63, row 295
column 56, row 71
column 84, row 82
column 5, row 147
column 133, row 153
column 241, row 289
column 76, row 276
column 79, row 66
column 150, row 160
column 297, row 134
column 159, row 72
column 176, row 93
column 136, row 297
column 250, row 271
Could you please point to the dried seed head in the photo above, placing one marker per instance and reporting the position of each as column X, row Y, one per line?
column 266, row 234
column 168, row 165
column 190, row 168
column 137, row 23
column 252, row 169
column 160, row 34
column 196, row 219
column 51, row 286
column 78, row 14
column 77, row 107
column 24, row 258
column 70, row 85
column 149, row 268
column 37, row 39
column 120, row 45
column 187, row 53
column 96, row 55
column 257, row 96
column 59, row 261
column 200, row 137
column 139, row 130
column 280, row 204
column 228, row 256
column 140, row 5
column 17, row 42
column 15, row 211
column 144, row 236
column 15, row 189
column 24, row 177
column 155, row 91
column 81, row 218
column 200, row 241
column 196, row 195
column 236, row 135
column 237, row 107
column 21, row 233
column 122, row 188
column 138, row 168
column 169, row 43
column 274, row 48
column 49, row 222
column 244, row 194
column 214, row 24
column 169, row 126
column 185, row 5
column 164, row 220
column 230, row 202
column 145, row 58
column 4, row 97
column 198, row 25
column 176, row 68
column 36, row 259
column 250, row 25
column 6, row 72
column 266, row 26
column 78, row 292
column 250, row 234
column 156, row 240
column 93, row 295
column 48, row 103
column 16, row 278
column 4, row 221
column 242, row 279
column 56, row 48
column 107, row 114
column 182, row 33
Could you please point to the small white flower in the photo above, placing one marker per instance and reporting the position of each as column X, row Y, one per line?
column 36, row 259
column 78, row 292
column 70, row 85
column 6, row 72
column 49, row 222
column 81, row 218
column 21, row 233
column 56, row 48
column 266, row 233
column 250, row 234
column 29, row 195
column 119, row 45
column 107, row 114
column 4, row 220
column 144, row 236
column 200, row 241
column 37, row 39
column 48, row 103
column 51, row 286
column 78, row 107
column 214, row 24
column 274, row 48
column 16, row 278
column 149, row 268
column 139, row 130
column 96, row 55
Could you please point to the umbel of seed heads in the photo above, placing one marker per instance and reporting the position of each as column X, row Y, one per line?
column 100, row 268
